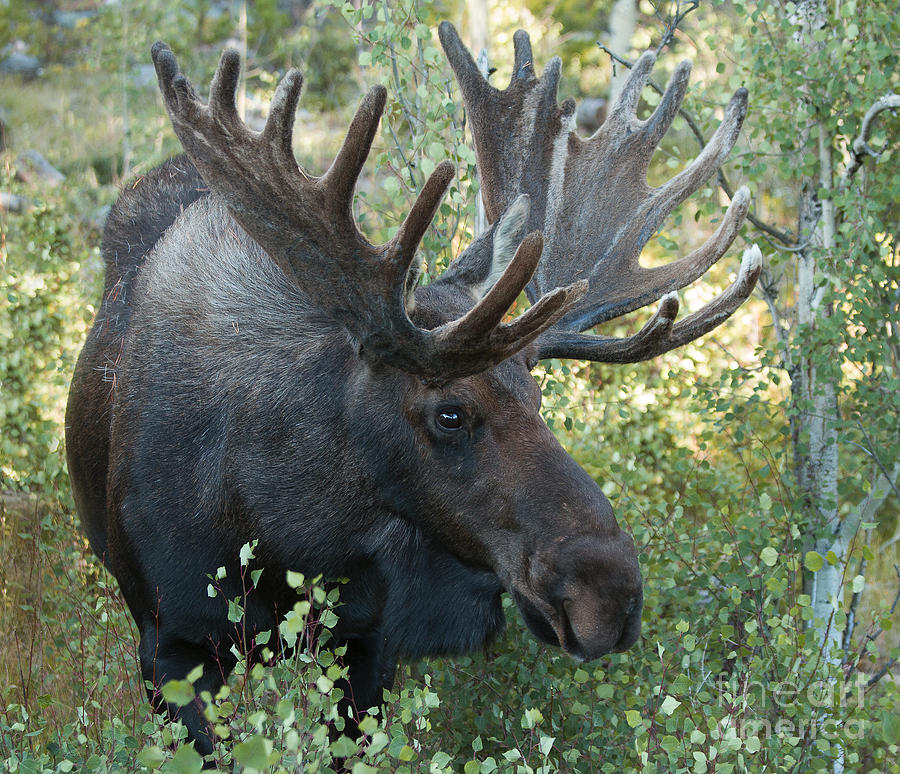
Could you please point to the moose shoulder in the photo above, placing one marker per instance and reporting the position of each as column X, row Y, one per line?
column 259, row 371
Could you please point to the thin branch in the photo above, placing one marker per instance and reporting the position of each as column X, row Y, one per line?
column 785, row 248
column 871, row 637
column 785, row 237
column 851, row 611
column 881, row 672
column 861, row 148
column 889, row 477
column 672, row 21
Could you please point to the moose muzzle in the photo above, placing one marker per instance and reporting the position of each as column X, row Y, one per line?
column 584, row 593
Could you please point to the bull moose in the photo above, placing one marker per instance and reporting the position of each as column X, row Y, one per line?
column 258, row 370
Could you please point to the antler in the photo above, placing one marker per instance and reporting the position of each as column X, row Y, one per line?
column 591, row 199
column 306, row 225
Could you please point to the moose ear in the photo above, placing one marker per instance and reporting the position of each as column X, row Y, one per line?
column 507, row 236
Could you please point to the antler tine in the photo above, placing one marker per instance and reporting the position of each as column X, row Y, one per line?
column 488, row 313
column 549, row 310
column 652, row 283
column 177, row 91
column 523, row 63
column 419, row 218
column 464, row 338
column 685, row 183
column 223, row 88
column 625, row 109
column 345, row 169
column 658, row 123
column 468, row 76
column 659, row 335
column 279, row 127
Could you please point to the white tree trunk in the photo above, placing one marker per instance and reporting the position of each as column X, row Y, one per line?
column 622, row 23
column 478, row 24
column 817, row 422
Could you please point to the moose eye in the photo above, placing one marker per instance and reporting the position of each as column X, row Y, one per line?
column 448, row 419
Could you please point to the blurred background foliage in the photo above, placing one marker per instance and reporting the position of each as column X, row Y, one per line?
column 698, row 449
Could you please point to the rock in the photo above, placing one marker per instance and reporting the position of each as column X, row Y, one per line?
column 32, row 166
column 590, row 114
column 10, row 202
column 22, row 64
column 71, row 19
column 144, row 76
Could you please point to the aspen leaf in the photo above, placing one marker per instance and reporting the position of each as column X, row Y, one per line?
column 813, row 561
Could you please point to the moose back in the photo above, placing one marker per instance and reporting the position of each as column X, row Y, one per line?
column 259, row 371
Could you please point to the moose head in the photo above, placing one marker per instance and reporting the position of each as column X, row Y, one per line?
column 260, row 371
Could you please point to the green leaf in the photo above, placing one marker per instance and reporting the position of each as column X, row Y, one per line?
column 151, row 757
column 813, row 561
column 195, row 674
column 605, row 691
column 440, row 760
column 295, row 579
column 489, row 765
column 769, row 556
column 858, row 584
column 368, row 725
column 531, row 717
column 669, row 705
column 344, row 747
column 633, row 718
column 185, row 761
column 377, row 743
column 254, row 752
column 178, row 692
column 246, row 553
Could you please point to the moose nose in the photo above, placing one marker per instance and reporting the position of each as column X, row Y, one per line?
column 598, row 595
column 594, row 626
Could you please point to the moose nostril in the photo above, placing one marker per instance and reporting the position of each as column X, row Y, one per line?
column 632, row 604
column 632, row 627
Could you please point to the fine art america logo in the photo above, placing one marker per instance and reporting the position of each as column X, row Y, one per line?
column 767, row 709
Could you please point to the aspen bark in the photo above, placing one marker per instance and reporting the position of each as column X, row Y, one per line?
column 813, row 380
column 622, row 23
